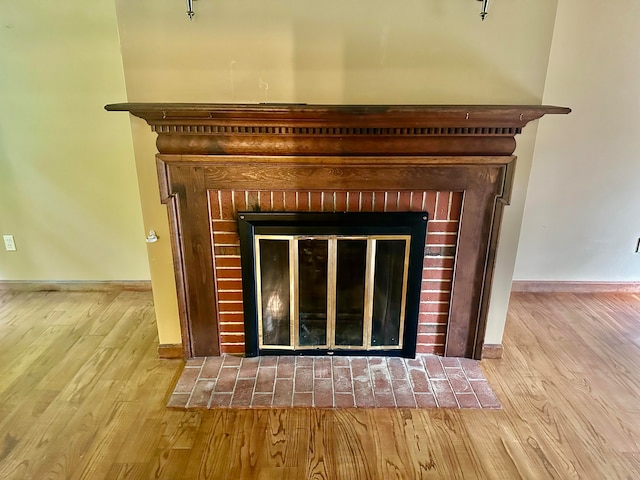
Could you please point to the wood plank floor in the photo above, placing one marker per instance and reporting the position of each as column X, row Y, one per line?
column 82, row 396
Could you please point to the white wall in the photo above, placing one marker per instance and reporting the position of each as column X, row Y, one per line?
column 582, row 215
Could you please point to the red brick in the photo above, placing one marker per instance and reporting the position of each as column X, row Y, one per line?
column 341, row 201
column 286, row 367
column 442, row 206
column 340, row 361
column 458, row 380
column 265, row 379
column 378, row 201
column 262, row 399
column 178, row 401
column 195, row 362
column 304, row 362
column 439, row 275
column 228, row 262
column 429, row 284
column 385, row 400
column 211, row 367
column 485, row 394
column 344, row 400
column 226, row 249
column 231, row 327
column 323, row 392
column 360, row 368
column 366, row 202
column 229, row 284
column 424, row 317
column 397, row 369
column 265, row 201
column 467, row 400
column 431, row 338
column 437, row 262
column 441, row 239
column 443, row 226
column 316, row 202
column 283, row 393
column 225, row 238
column 342, row 380
column 419, row 381
column 278, row 201
column 225, row 226
column 430, row 204
column 434, row 307
column 187, row 380
column 450, row 362
column 404, row 202
column 381, row 382
column 232, row 317
column 328, row 204
column 226, row 379
column 249, row 367
column 243, row 393
column 472, row 369
column 433, row 367
column 434, row 296
column 432, row 328
column 226, row 273
column 304, row 201
column 231, row 338
column 363, row 392
column 444, row 394
column 221, row 400
column 302, row 399
column 268, row 361
column 232, row 349
column 322, row 367
column 391, row 204
column 289, row 202
column 230, row 307
column 416, row 201
column 253, row 203
column 240, row 201
column 214, row 205
column 425, row 400
column 226, row 202
column 456, row 206
column 403, row 394
column 304, row 379
column 353, row 201
column 227, row 296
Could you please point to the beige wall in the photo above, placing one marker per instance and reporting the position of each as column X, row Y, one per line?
column 332, row 52
column 68, row 188
column 582, row 220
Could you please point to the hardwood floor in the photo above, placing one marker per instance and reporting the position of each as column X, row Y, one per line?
column 82, row 396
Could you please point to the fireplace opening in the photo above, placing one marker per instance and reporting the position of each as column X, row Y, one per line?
column 331, row 283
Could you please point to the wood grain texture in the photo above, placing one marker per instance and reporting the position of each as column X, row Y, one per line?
column 574, row 287
column 82, row 396
column 76, row 286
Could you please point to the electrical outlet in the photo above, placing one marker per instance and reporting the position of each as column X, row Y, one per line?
column 9, row 243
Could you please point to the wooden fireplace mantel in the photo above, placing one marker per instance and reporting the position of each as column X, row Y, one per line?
column 208, row 147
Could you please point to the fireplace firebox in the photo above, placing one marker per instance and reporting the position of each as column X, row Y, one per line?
column 453, row 161
column 331, row 283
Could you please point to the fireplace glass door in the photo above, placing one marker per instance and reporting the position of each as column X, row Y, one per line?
column 316, row 287
column 331, row 292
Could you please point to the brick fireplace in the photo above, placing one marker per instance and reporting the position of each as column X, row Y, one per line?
column 454, row 162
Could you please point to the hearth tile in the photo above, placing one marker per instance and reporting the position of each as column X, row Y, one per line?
column 376, row 361
column 249, row 367
column 220, row 400
column 286, row 367
column 231, row 361
column 397, row 368
column 434, row 367
column 485, row 394
column 322, row 367
column 450, row 362
column 419, row 381
column 226, row 379
column 381, row 381
column 414, row 363
column 302, row 399
column 283, row 393
column 458, row 380
column 266, row 379
column 323, row 392
column 363, row 393
column 444, row 394
column 344, row 400
column 385, row 400
column 243, row 392
column 304, row 379
column 341, row 361
column 211, row 367
column 425, row 400
column 342, row 380
column 304, row 362
column 472, row 369
column 178, row 400
column 262, row 400
column 201, row 394
column 187, row 380
column 467, row 400
column 195, row 362
column 403, row 394
column 268, row 361
column 359, row 367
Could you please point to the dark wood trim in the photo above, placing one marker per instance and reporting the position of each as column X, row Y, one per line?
column 538, row 286
column 209, row 147
column 170, row 351
column 492, row 351
column 76, row 285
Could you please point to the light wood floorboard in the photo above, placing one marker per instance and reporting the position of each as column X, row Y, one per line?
column 83, row 394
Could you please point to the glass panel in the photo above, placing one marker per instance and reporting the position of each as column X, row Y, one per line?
column 387, row 296
column 312, row 274
column 350, row 282
column 274, row 292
